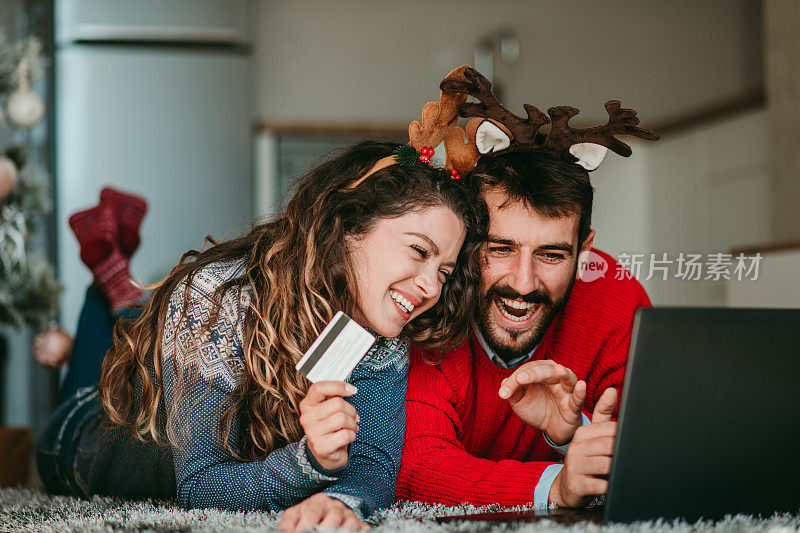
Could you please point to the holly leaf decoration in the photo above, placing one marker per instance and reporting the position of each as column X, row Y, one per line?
column 406, row 155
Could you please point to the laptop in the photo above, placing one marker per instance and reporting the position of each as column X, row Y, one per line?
column 709, row 422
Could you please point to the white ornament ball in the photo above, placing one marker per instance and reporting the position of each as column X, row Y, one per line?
column 8, row 176
column 52, row 348
column 25, row 108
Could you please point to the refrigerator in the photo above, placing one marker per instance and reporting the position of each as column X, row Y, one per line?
column 152, row 97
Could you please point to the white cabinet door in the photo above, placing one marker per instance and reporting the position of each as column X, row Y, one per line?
column 169, row 124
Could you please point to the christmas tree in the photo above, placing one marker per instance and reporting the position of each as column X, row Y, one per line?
column 28, row 286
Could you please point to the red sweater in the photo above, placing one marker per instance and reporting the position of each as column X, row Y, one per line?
column 465, row 444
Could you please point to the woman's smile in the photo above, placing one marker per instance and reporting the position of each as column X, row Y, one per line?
column 404, row 303
column 404, row 252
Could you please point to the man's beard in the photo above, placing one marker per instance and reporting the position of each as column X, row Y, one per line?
column 547, row 314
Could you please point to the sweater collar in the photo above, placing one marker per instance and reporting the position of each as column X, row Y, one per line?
column 496, row 359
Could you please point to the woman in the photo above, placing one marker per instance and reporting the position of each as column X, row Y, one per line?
column 209, row 366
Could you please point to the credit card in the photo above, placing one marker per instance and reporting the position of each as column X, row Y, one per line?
column 337, row 350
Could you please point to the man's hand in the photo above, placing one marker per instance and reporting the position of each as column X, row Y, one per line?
column 588, row 460
column 330, row 423
column 320, row 510
column 547, row 396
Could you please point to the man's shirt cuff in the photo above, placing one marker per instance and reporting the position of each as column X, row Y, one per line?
column 563, row 448
column 541, row 494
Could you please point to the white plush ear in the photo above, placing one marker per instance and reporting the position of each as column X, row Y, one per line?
column 439, row 156
column 490, row 138
column 589, row 155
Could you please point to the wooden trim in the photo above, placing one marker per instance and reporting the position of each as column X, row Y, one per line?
column 778, row 246
column 332, row 128
column 720, row 108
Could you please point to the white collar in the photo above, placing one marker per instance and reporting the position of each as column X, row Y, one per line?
column 496, row 359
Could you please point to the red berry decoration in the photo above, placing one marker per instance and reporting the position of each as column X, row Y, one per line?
column 424, row 158
column 454, row 174
column 428, row 152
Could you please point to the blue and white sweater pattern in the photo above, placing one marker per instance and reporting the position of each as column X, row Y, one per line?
column 207, row 477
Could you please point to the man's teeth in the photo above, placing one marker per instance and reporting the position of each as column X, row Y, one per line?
column 529, row 307
column 404, row 303
column 517, row 305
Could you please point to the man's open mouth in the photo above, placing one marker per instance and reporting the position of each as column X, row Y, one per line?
column 514, row 310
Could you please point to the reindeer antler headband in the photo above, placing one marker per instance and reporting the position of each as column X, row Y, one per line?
column 437, row 124
column 496, row 128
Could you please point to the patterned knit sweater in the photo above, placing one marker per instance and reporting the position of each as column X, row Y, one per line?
column 206, row 477
column 465, row 444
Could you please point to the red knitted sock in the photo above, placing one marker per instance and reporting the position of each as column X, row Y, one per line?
column 129, row 211
column 96, row 231
column 113, row 276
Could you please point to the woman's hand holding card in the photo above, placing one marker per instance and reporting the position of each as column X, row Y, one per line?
column 330, row 423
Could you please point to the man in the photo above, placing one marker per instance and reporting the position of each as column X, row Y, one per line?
column 491, row 421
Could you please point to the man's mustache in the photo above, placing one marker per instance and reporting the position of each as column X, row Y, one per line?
column 504, row 291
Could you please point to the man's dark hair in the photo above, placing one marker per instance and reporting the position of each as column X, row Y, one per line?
column 553, row 187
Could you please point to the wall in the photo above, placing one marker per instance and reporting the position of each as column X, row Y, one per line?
column 782, row 52
column 776, row 285
column 704, row 191
column 380, row 61
column 621, row 211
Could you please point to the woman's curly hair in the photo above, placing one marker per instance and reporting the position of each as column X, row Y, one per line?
column 296, row 271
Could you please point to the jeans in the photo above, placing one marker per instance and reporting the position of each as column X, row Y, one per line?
column 57, row 448
column 92, row 340
column 79, row 453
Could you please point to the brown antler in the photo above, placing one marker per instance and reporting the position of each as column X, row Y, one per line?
column 523, row 130
column 459, row 145
column 437, row 117
column 621, row 121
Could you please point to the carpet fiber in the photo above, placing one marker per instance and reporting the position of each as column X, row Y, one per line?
column 33, row 510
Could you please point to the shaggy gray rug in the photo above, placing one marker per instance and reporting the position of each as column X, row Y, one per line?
column 34, row 510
